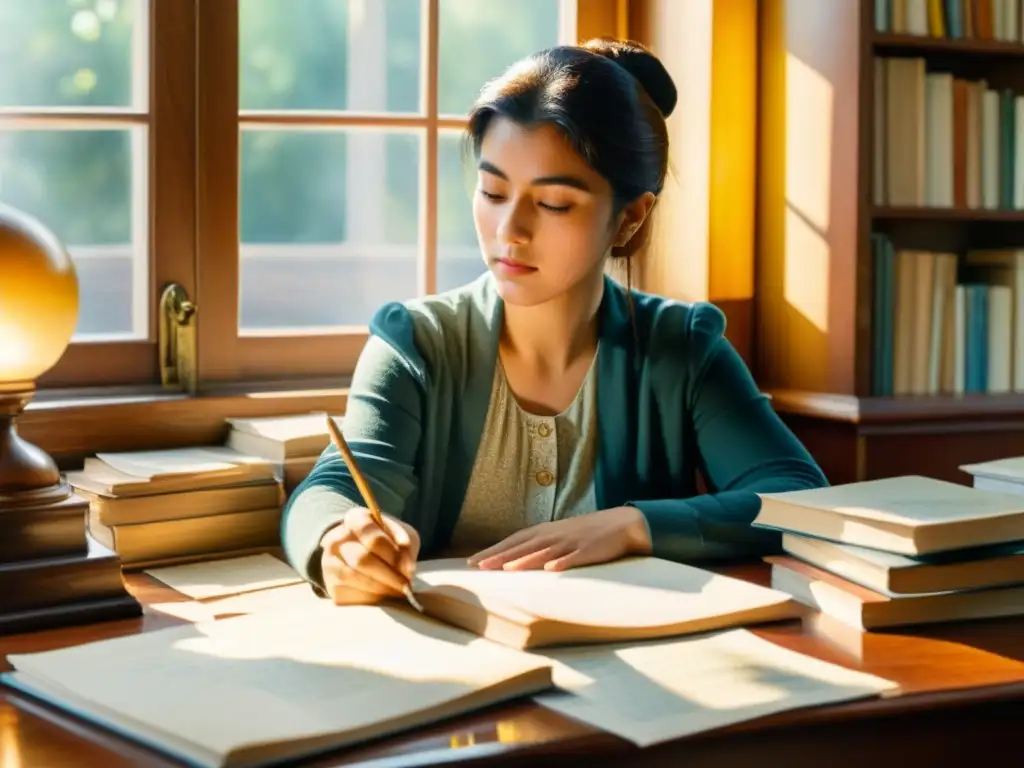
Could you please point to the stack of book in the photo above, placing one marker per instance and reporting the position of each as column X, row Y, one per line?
column 181, row 504
column 1003, row 475
column 292, row 443
column 899, row 551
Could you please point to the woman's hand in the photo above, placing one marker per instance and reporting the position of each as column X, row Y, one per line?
column 361, row 565
column 561, row 544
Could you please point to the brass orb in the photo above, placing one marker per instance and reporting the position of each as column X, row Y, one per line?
column 38, row 298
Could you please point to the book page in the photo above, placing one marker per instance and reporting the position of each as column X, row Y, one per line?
column 295, row 675
column 655, row 691
column 911, row 500
column 636, row 592
column 230, row 576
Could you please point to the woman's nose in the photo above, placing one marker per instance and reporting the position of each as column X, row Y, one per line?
column 515, row 227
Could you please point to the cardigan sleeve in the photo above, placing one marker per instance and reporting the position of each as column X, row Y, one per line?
column 743, row 449
column 382, row 426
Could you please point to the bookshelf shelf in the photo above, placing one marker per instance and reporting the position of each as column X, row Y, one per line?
column 868, row 411
column 887, row 44
column 827, row 286
column 948, row 214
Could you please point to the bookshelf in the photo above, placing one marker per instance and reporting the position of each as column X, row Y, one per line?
column 817, row 330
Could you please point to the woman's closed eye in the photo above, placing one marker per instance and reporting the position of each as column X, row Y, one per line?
column 497, row 198
column 555, row 208
column 493, row 197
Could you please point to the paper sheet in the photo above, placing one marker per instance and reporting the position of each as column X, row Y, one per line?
column 275, row 599
column 657, row 691
column 231, row 576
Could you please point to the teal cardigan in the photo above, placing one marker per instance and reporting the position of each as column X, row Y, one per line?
column 674, row 397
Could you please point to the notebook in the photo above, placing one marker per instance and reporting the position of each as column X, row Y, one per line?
column 992, row 566
column 908, row 515
column 868, row 609
column 309, row 681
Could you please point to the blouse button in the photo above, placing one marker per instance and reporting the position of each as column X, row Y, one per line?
column 545, row 478
column 543, row 429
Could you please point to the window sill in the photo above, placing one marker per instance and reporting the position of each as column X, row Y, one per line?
column 73, row 424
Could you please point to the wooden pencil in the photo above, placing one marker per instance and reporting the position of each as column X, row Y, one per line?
column 365, row 491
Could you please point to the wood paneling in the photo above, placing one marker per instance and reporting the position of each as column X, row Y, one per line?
column 810, row 197
column 702, row 248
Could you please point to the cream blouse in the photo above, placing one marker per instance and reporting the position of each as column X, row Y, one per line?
column 529, row 469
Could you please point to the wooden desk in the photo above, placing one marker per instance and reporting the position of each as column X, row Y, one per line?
column 963, row 697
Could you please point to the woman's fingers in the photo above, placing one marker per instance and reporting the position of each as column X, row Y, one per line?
column 362, row 564
column 538, row 558
column 528, row 554
column 367, row 571
column 494, row 552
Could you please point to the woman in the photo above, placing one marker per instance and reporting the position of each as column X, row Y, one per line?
column 544, row 416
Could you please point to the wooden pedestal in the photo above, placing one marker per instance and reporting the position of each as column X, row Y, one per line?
column 52, row 573
column 62, row 576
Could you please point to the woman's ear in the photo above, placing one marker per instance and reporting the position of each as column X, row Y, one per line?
column 632, row 217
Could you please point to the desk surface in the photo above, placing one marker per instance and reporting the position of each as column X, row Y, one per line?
column 962, row 689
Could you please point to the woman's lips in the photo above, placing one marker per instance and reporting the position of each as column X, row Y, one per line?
column 512, row 267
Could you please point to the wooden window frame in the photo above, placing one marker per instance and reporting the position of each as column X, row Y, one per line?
column 224, row 354
column 170, row 181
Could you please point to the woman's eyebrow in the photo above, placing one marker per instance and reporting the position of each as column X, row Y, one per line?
column 561, row 181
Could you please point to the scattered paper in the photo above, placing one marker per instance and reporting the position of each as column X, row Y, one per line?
column 232, row 576
column 274, row 599
column 277, row 599
column 667, row 689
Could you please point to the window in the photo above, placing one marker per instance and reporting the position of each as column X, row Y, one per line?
column 294, row 164
column 345, row 144
column 83, row 147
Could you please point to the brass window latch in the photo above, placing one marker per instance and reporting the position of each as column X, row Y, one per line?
column 177, row 340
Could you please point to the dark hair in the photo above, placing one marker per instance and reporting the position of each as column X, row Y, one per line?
column 610, row 99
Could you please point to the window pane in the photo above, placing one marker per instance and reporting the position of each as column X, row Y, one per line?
column 62, row 53
column 81, row 183
column 358, row 55
column 330, row 226
column 480, row 39
column 458, row 253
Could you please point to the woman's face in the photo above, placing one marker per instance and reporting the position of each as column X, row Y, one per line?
column 543, row 216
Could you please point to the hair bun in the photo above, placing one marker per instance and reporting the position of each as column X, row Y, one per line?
column 643, row 65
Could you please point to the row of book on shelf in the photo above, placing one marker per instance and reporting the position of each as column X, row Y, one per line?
column 943, row 141
column 647, row 649
column 946, row 325
column 953, row 19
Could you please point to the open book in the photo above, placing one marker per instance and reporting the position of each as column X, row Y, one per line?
column 299, row 682
column 630, row 599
